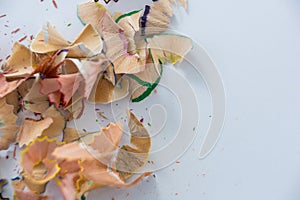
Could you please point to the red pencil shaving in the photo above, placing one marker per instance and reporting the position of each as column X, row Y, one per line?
column 15, row 31
column 54, row 3
column 15, row 153
column 22, row 38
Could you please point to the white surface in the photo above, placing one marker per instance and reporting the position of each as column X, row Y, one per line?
column 256, row 45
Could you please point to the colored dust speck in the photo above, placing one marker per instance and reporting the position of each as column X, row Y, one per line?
column 149, row 124
column 3, row 15
column 19, row 109
column 16, row 178
column 102, row 115
column 142, row 120
column 150, row 162
column 7, row 57
column 90, row 183
column 69, row 24
column 177, row 161
column 107, row 1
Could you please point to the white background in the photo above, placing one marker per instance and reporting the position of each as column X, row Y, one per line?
column 256, row 46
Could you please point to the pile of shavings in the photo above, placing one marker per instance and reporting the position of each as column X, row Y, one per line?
column 112, row 57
